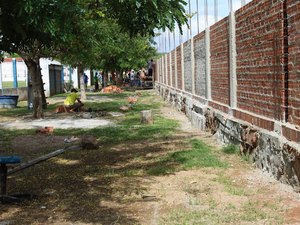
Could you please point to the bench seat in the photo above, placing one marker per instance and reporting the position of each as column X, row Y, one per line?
column 10, row 159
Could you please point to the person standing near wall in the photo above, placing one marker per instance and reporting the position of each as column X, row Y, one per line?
column 96, row 80
column 150, row 68
column 85, row 80
column 132, row 77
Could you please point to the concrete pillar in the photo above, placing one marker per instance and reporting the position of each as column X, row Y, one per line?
column 171, row 72
column 232, row 58
column 176, row 73
column 193, row 65
column 207, row 64
column 14, row 65
column 164, row 70
column 159, row 71
column 182, row 67
column 166, row 67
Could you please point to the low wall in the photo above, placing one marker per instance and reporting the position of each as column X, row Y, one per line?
column 22, row 92
column 270, row 151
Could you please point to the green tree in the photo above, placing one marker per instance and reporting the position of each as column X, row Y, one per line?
column 35, row 29
column 106, row 46
column 119, row 51
column 143, row 17
column 50, row 28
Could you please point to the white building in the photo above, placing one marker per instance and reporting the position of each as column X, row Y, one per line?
column 7, row 70
column 54, row 74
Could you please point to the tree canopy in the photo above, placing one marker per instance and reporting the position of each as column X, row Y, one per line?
column 82, row 32
column 47, row 23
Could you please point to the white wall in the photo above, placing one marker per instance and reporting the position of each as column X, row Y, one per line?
column 44, row 64
column 6, row 69
column 70, row 72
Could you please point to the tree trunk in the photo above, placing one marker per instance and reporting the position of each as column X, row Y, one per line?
column 146, row 117
column 82, row 86
column 119, row 79
column 92, row 76
column 44, row 102
column 105, row 78
column 34, row 75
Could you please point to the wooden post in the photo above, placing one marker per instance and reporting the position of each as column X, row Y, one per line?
column 36, row 161
column 146, row 117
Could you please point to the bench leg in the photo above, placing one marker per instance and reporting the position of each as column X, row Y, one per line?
column 3, row 178
column 4, row 198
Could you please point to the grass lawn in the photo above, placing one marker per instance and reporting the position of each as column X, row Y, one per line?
column 10, row 84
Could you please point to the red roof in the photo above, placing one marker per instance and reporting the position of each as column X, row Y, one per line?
column 10, row 59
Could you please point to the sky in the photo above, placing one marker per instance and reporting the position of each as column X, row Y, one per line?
column 216, row 10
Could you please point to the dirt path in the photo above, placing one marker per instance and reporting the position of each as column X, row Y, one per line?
column 254, row 197
column 109, row 187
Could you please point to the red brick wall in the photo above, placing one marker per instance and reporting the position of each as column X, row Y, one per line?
column 179, row 67
column 259, row 44
column 160, row 71
column 257, row 121
column 219, row 44
column 168, row 70
column 293, row 11
column 156, row 70
column 173, row 68
column 268, row 65
column 163, row 70
column 165, row 62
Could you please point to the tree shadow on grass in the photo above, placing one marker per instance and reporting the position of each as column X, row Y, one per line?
column 88, row 186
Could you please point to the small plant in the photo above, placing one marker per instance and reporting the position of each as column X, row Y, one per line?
column 158, row 170
column 200, row 155
column 230, row 186
column 230, row 149
column 246, row 157
column 252, row 212
column 212, row 203
column 194, row 201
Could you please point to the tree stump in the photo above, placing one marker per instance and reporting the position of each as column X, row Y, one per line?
column 89, row 142
column 146, row 117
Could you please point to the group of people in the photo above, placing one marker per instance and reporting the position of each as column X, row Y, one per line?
column 135, row 78
column 98, row 79
column 73, row 103
column 138, row 78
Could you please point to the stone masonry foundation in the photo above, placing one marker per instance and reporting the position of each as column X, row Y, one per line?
column 268, row 150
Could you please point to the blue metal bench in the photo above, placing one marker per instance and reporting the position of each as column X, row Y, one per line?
column 4, row 160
